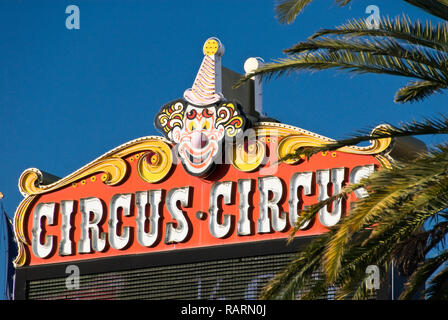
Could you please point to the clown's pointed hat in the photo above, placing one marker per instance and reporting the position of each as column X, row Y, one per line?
column 207, row 87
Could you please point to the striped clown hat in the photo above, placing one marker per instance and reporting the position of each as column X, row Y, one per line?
column 207, row 88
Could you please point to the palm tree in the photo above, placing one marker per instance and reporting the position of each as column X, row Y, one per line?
column 386, row 226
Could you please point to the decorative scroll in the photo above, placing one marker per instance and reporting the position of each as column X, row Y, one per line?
column 291, row 138
column 290, row 144
column 114, row 170
column 249, row 155
column 155, row 164
column 19, row 231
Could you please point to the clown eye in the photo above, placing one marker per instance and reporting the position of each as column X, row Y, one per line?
column 206, row 125
column 192, row 114
column 207, row 113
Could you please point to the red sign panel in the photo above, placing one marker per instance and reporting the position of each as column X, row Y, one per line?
column 135, row 199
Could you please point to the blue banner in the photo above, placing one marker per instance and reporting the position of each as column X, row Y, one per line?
column 9, row 246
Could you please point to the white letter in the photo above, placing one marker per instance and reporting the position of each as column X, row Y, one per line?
column 72, row 281
column 98, row 241
column 42, row 210
column 225, row 189
column 373, row 21
column 180, row 233
column 243, row 226
column 119, row 201
column 299, row 179
column 72, row 21
column 153, row 197
column 357, row 174
column 373, row 280
column 65, row 246
column 273, row 185
column 327, row 218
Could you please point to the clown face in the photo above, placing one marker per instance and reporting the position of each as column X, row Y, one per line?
column 198, row 131
column 198, row 139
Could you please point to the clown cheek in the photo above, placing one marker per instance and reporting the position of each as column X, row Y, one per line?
column 175, row 135
column 220, row 132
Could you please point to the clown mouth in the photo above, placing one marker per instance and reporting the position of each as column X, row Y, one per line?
column 197, row 158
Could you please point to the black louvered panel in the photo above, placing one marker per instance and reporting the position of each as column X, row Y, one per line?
column 241, row 278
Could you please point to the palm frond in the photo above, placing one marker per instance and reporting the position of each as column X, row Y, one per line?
column 297, row 274
column 438, row 8
column 433, row 62
column 364, row 249
column 410, row 252
column 428, row 34
column 352, row 62
column 342, row 256
column 419, row 186
column 379, row 46
column 308, row 213
column 436, row 235
column 398, row 47
column 379, row 249
column 400, row 200
column 375, row 251
column 287, row 10
column 418, row 90
column 429, row 195
column 437, row 288
column 423, row 272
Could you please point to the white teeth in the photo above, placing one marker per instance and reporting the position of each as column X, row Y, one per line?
column 197, row 159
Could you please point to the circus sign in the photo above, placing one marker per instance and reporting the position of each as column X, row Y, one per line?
column 215, row 177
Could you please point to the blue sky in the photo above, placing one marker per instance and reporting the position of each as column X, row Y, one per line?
column 69, row 96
